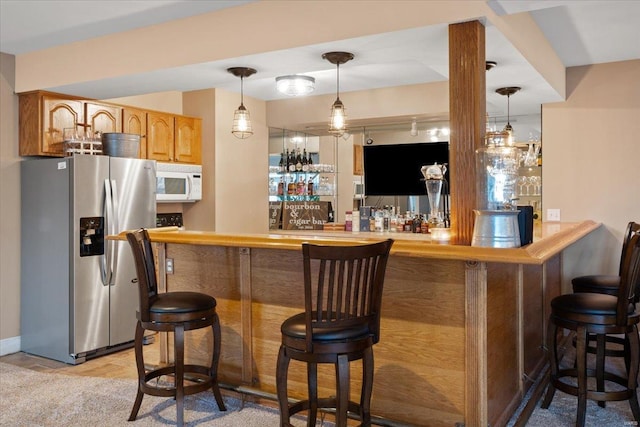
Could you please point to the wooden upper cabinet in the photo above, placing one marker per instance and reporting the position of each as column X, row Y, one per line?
column 188, row 140
column 46, row 117
column 135, row 121
column 103, row 118
column 160, row 136
column 43, row 119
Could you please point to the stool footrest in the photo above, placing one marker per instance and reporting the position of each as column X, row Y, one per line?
column 198, row 374
column 600, row 396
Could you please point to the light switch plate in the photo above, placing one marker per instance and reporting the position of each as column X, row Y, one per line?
column 553, row 214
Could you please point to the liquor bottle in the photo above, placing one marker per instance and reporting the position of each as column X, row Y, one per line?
column 281, row 187
column 282, row 163
column 378, row 225
column 309, row 161
column 385, row 219
column 286, row 161
column 291, row 187
column 301, row 187
column 416, row 225
column 305, row 163
column 292, row 161
column 298, row 162
column 425, row 224
column 408, row 222
column 310, row 191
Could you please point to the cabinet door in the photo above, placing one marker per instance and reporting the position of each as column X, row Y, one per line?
column 59, row 114
column 187, row 143
column 102, row 118
column 160, row 136
column 135, row 121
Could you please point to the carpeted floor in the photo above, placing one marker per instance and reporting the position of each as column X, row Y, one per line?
column 29, row 398
column 33, row 399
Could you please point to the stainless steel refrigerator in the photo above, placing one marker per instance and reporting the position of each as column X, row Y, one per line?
column 78, row 290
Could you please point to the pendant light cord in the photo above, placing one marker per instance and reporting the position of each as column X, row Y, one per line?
column 242, row 90
column 338, row 80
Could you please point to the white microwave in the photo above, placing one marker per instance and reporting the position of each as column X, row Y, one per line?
column 177, row 182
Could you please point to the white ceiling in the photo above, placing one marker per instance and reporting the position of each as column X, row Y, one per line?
column 581, row 32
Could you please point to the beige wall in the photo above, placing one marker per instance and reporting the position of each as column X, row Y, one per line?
column 241, row 168
column 591, row 159
column 9, row 210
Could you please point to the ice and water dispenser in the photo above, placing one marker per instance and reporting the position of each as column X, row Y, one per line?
column 91, row 236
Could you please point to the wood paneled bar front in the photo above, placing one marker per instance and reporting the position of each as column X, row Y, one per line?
column 462, row 332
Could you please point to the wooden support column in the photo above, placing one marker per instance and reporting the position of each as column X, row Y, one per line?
column 245, row 316
column 476, row 393
column 467, row 109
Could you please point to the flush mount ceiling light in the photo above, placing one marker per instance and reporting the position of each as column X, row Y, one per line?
column 241, row 119
column 295, row 85
column 337, row 119
column 508, row 91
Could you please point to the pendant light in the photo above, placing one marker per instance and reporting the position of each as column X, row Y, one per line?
column 337, row 119
column 508, row 91
column 241, row 120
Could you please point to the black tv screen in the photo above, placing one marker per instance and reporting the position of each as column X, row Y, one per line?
column 394, row 169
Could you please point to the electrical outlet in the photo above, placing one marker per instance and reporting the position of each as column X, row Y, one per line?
column 553, row 215
column 169, row 265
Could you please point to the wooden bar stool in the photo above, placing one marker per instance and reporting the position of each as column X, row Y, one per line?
column 175, row 312
column 600, row 314
column 341, row 323
column 608, row 284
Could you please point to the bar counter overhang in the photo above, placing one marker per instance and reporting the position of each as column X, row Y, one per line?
column 462, row 333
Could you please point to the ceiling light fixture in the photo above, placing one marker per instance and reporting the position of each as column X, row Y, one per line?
column 241, row 120
column 488, row 65
column 337, row 119
column 508, row 91
column 295, row 85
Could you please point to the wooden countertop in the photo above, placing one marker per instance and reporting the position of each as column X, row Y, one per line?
column 550, row 239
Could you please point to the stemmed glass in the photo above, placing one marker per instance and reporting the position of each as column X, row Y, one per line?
column 522, row 181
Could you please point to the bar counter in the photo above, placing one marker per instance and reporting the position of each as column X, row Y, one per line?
column 462, row 332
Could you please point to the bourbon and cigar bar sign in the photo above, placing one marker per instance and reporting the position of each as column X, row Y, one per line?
column 275, row 215
column 304, row 215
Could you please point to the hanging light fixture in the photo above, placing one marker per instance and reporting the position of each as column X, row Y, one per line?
column 241, row 120
column 295, row 85
column 337, row 119
column 508, row 91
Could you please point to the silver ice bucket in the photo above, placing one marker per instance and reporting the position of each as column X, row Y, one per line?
column 496, row 229
column 117, row 144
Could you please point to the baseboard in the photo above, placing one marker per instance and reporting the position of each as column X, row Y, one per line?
column 9, row 345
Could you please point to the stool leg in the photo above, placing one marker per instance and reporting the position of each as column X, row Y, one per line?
column 215, row 358
column 282, row 368
column 342, row 382
column 601, row 346
column 552, row 337
column 634, row 361
column 178, row 344
column 312, row 385
column 581, row 359
column 367, row 387
column 139, row 336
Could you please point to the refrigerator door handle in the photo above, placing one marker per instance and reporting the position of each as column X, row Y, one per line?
column 115, row 228
column 106, row 258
